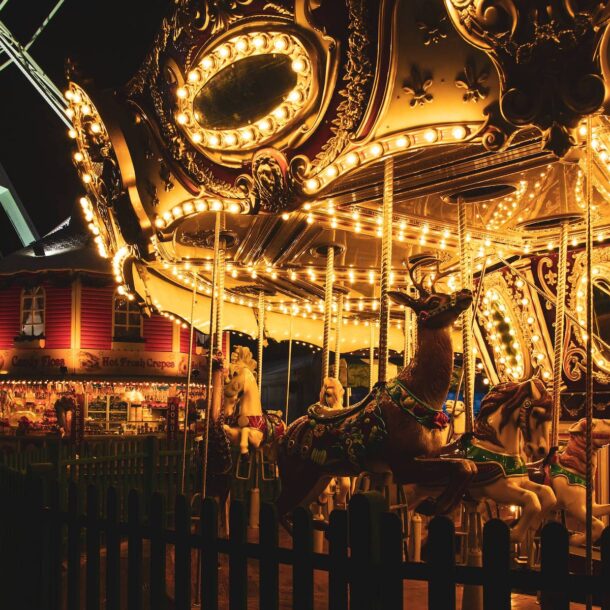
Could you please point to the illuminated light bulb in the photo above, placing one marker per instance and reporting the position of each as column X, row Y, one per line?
column 550, row 245
column 601, row 362
column 600, row 237
column 332, row 171
column 546, row 374
column 293, row 276
column 312, row 184
column 246, row 135
column 214, row 140
column 298, row 65
column 527, row 248
column 574, row 242
column 458, row 132
column 76, row 98
column 182, row 118
column 69, row 113
column 280, row 113
column 181, row 92
column 376, row 149
column 72, row 133
column 230, row 139
column 159, row 223
column 234, row 208
column 582, row 130
column 333, row 223
column 265, row 125
column 295, row 96
column 401, row 142
column 216, row 205
column 357, row 227
column 309, row 219
column 187, row 207
column 224, row 51
column 285, row 216
column 485, row 381
column 193, row 76
column 68, row 94
column 201, row 206
column 352, row 158
column 197, row 137
column 430, row 135
column 78, row 157
column 241, row 45
column 280, row 43
column 177, row 211
column 167, row 216
column 86, row 178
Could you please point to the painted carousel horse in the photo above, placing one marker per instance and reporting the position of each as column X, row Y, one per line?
column 567, row 471
column 514, row 419
column 394, row 428
column 246, row 424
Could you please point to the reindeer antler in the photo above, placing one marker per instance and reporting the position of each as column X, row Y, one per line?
column 438, row 275
column 423, row 292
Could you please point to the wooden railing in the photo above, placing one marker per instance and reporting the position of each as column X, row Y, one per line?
column 52, row 559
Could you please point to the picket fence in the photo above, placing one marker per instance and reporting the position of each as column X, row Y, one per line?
column 52, row 558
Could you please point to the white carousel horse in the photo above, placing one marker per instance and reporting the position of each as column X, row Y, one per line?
column 567, row 475
column 331, row 396
column 514, row 419
column 247, row 426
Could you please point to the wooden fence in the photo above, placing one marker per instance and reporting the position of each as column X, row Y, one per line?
column 53, row 559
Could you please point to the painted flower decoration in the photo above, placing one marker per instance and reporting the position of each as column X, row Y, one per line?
column 418, row 86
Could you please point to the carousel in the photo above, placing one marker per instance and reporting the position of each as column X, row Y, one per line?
column 422, row 183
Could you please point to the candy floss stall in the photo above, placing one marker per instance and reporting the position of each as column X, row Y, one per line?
column 73, row 347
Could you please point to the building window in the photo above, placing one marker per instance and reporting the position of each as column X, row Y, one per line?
column 32, row 311
column 127, row 319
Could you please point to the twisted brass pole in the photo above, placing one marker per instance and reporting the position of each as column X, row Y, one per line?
column 338, row 335
column 372, row 358
column 559, row 332
column 289, row 366
column 328, row 311
column 220, row 286
column 261, row 339
column 466, row 277
column 386, row 266
column 208, row 407
column 589, row 373
column 406, row 355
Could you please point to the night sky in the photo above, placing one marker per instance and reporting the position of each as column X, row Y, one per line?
column 107, row 40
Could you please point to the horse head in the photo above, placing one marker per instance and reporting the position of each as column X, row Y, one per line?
column 434, row 309
column 600, row 431
column 518, row 411
column 331, row 394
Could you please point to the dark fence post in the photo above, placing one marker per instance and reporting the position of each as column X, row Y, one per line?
column 364, row 516
column 55, row 526
column 34, row 536
column 441, row 562
column 209, row 559
column 134, row 553
column 605, row 571
column 238, row 562
column 93, row 549
column 302, row 571
column 158, row 593
column 337, row 550
column 554, row 567
column 269, row 566
column 151, row 459
column 73, row 549
column 183, row 554
column 113, row 551
column 496, row 566
column 391, row 562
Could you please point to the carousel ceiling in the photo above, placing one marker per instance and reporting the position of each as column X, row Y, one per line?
column 281, row 117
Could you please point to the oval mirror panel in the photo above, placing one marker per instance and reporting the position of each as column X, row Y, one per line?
column 244, row 92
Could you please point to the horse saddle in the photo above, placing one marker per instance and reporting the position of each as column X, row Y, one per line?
column 324, row 415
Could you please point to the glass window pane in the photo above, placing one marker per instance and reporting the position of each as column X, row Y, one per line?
column 120, row 319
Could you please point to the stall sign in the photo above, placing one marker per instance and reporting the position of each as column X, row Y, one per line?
column 36, row 361
column 78, row 420
column 173, row 406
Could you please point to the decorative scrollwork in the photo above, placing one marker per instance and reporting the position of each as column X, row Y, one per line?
column 546, row 54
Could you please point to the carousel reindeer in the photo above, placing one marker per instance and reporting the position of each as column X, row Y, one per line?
column 394, row 428
column 514, row 419
column 567, row 475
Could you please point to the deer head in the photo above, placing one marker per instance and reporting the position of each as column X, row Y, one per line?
column 434, row 309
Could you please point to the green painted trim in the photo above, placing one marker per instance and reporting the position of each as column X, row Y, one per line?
column 572, row 477
column 512, row 465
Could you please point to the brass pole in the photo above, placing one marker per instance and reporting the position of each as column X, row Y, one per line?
column 208, row 407
column 261, row 339
column 386, row 267
column 188, row 382
column 371, row 357
column 589, row 373
column 465, row 273
column 559, row 332
column 220, row 286
column 328, row 310
column 338, row 335
column 289, row 366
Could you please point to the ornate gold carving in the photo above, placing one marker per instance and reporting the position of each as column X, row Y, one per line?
column 546, row 54
column 473, row 80
column 359, row 80
column 220, row 14
column 432, row 34
column 417, row 86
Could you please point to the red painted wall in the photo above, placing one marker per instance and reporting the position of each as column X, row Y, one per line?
column 10, row 306
column 58, row 316
column 185, row 336
column 158, row 334
column 96, row 317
